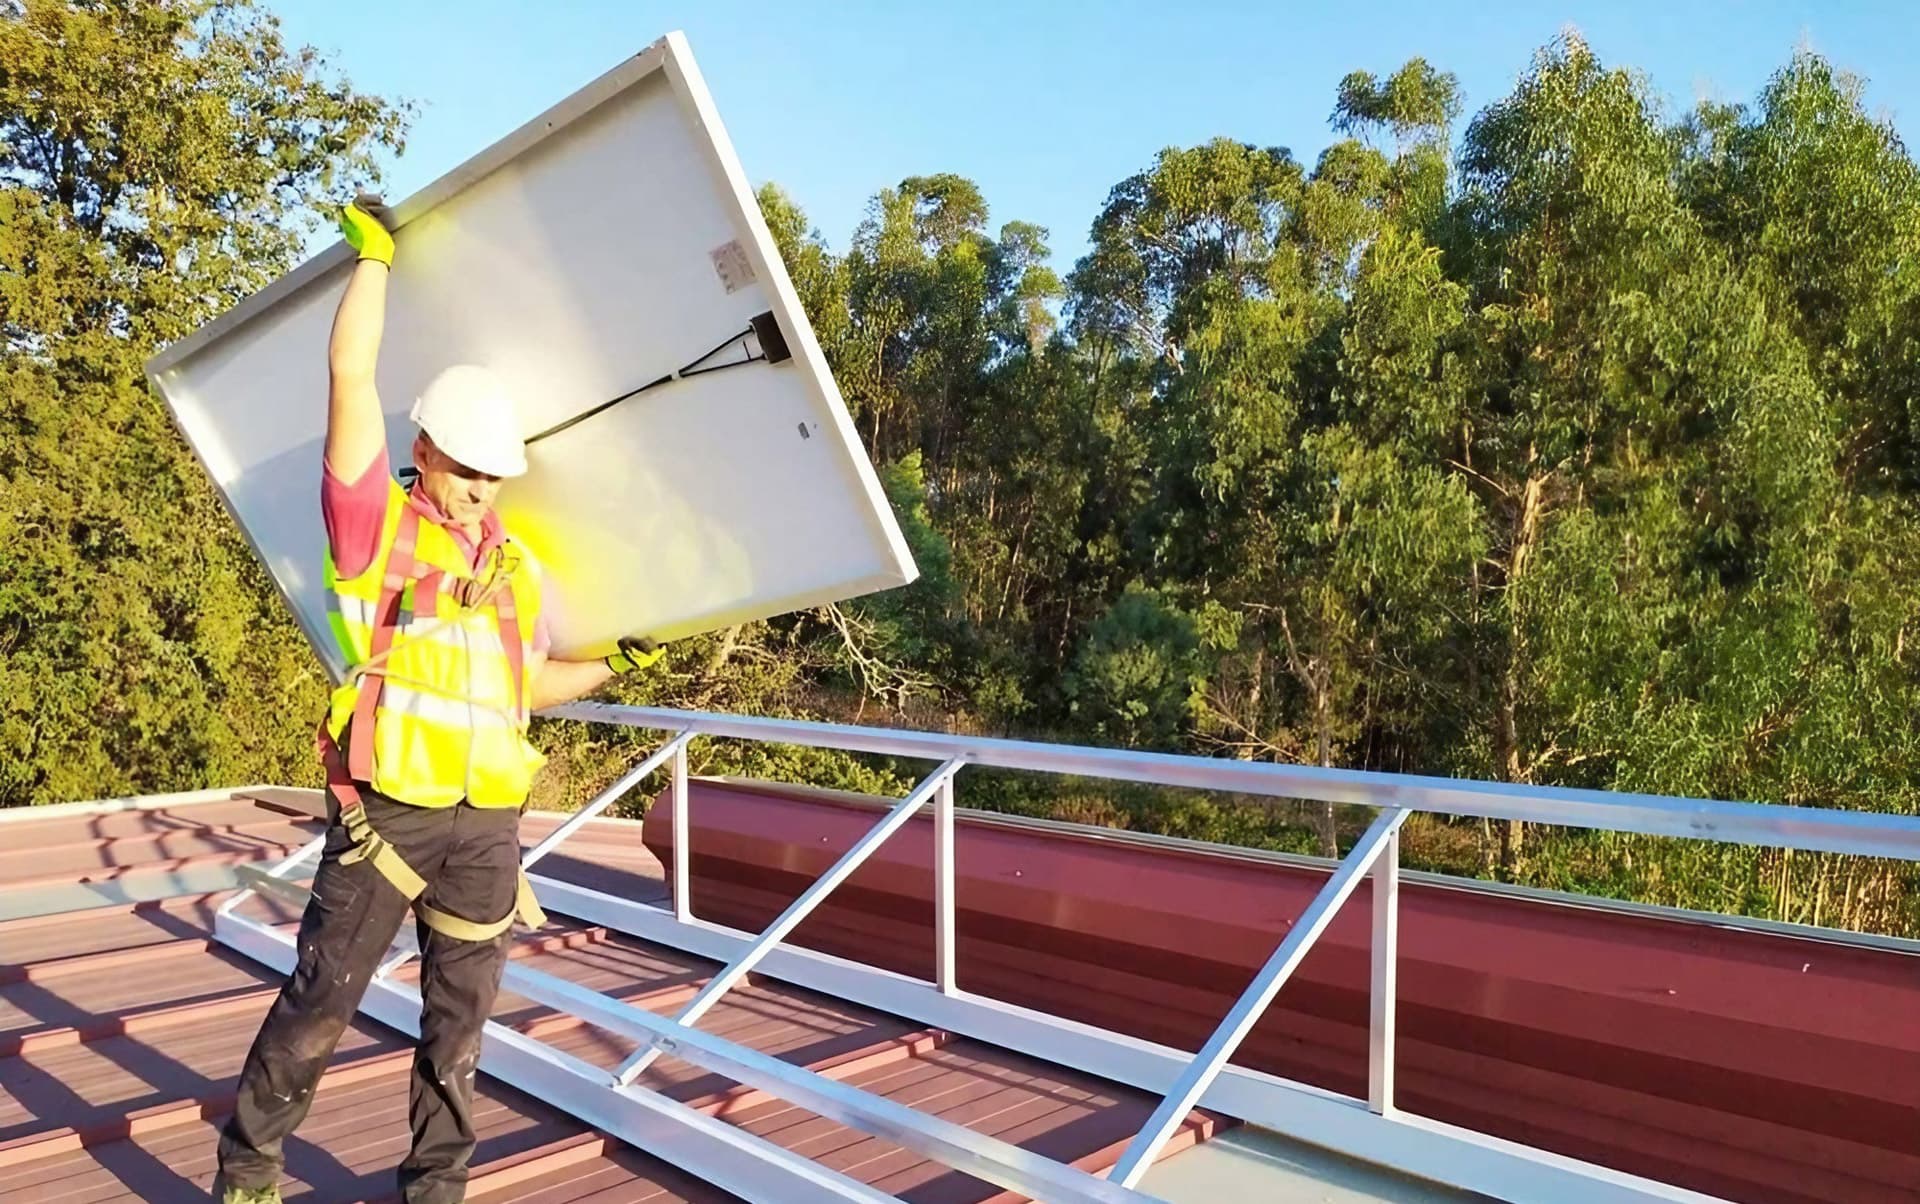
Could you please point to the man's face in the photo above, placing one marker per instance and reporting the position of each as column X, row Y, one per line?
column 463, row 494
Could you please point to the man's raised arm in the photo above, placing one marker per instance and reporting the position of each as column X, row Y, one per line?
column 356, row 429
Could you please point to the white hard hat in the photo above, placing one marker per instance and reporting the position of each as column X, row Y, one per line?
column 468, row 413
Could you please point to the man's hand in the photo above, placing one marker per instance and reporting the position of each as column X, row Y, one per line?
column 368, row 225
column 636, row 652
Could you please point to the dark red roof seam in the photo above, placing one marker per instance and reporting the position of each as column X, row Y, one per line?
column 151, row 839
column 45, row 1144
column 132, row 907
column 532, row 1163
column 54, row 1141
column 82, row 963
column 130, row 1021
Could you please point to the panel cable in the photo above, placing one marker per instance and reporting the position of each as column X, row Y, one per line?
column 690, row 368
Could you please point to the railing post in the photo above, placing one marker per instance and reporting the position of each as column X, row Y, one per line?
column 1386, row 954
column 682, row 841
column 943, row 934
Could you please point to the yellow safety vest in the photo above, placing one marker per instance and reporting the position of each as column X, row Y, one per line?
column 436, row 703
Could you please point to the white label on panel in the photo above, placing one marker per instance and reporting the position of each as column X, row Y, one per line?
column 730, row 262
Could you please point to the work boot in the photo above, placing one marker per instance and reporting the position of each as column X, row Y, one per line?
column 251, row 1195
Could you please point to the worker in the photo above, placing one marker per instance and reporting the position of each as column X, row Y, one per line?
column 438, row 613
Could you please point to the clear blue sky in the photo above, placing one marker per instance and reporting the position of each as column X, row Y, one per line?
column 1047, row 103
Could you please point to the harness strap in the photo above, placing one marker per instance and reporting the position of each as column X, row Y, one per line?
column 371, row 847
column 426, row 591
column 504, row 615
column 525, row 908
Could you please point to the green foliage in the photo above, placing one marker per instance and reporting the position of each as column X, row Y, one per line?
column 1133, row 680
column 1589, row 464
column 1414, row 98
column 906, row 640
column 155, row 161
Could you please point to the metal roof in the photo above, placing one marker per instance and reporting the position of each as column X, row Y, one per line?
column 123, row 1022
column 122, row 1029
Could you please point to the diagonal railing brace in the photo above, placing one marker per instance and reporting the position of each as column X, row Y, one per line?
column 1252, row 1004
column 796, row 911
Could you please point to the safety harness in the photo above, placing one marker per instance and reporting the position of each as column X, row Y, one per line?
column 346, row 772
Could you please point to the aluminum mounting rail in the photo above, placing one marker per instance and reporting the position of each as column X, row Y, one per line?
column 796, row 911
column 1372, row 1129
column 1252, row 1004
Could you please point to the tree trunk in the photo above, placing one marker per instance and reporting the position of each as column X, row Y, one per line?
column 1474, row 593
column 1820, row 888
column 1256, row 690
column 1013, row 566
column 1323, row 735
column 1513, row 834
column 1526, row 536
column 710, row 672
column 1507, row 745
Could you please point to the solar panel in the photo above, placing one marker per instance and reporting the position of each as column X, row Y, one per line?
column 609, row 244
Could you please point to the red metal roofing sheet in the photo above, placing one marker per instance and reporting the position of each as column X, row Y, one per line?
column 122, row 1029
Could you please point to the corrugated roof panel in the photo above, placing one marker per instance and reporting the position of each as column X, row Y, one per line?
column 123, row 1027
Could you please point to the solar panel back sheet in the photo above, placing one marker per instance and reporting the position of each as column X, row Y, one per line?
column 609, row 242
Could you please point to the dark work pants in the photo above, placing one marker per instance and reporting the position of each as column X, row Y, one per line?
column 469, row 857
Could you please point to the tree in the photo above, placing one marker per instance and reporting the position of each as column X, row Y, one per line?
column 1412, row 101
column 1574, row 453
column 156, row 160
column 1313, row 532
column 1133, row 680
column 1822, row 200
column 1614, row 349
column 1826, row 200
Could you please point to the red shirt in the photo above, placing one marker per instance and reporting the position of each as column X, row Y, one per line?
column 355, row 512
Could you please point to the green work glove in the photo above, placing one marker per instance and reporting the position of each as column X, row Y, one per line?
column 636, row 652
column 367, row 224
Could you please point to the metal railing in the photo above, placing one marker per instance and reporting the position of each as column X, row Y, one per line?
column 1183, row 1081
column 1868, row 834
column 1377, row 852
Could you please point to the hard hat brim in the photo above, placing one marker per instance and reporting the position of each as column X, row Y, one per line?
column 495, row 463
column 494, row 457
